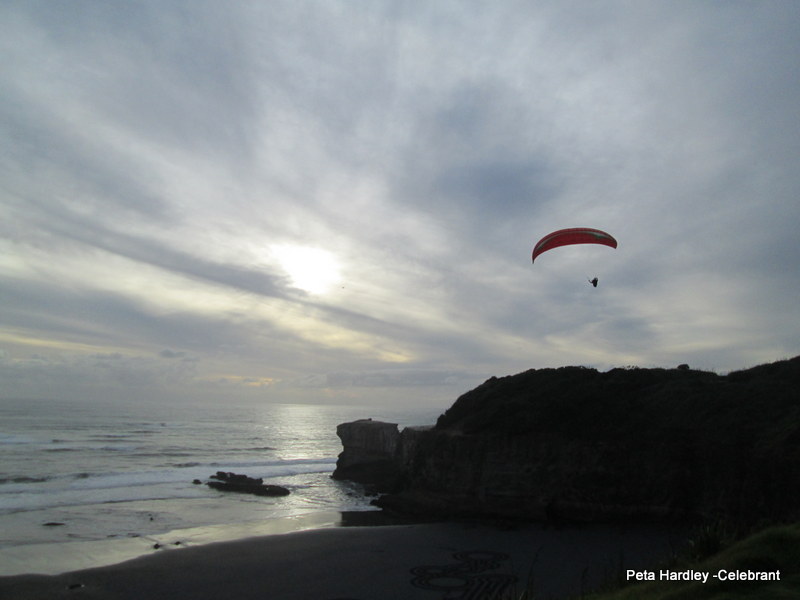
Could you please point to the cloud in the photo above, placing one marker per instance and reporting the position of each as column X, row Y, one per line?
column 80, row 377
column 166, row 353
column 382, row 379
column 160, row 155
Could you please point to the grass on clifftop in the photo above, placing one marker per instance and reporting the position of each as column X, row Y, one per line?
column 776, row 548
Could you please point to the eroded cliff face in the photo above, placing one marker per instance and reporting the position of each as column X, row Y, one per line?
column 368, row 455
column 573, row 444
column 557, row 479
column 376, row 453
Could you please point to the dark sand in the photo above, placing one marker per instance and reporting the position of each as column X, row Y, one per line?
column 433, row 561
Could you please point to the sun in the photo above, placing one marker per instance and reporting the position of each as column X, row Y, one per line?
column 311, row 269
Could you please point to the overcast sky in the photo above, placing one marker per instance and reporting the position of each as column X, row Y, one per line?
column 336, row 201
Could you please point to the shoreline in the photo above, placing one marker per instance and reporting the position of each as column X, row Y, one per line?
column 368, row 562
column 54, row 558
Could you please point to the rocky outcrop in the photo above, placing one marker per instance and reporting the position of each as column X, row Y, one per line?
column 575, row 444
column 368, row 454
column 375, row 453
column 233, row 482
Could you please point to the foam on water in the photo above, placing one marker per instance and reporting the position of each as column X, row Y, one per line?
column 70, row 490
column 73, row 473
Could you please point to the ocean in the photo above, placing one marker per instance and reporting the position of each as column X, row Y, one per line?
column 74, row 475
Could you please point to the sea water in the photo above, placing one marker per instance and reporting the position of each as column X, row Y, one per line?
column 73, row 472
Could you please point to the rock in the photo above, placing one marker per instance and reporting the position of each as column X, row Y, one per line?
column 52, row 524
column 368, row 454
column 233, row 482
column 196, row 482
column 577, row 445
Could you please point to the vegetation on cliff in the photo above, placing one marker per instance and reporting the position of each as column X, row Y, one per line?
column 775, row 549
column 635, row 402
column 577, row 443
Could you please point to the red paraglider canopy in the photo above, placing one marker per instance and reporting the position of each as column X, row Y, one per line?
column 575, row 235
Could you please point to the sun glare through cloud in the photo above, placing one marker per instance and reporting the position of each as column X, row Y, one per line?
column 312, row 270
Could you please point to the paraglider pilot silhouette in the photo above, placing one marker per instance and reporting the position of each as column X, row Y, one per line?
column 575, row 235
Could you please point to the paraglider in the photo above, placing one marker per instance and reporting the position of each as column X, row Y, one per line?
column 575, row 235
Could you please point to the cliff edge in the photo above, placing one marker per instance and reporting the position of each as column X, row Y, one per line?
column 575, row 444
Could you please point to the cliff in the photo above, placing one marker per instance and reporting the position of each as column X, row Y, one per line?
column 577, row 444
column 369, row 453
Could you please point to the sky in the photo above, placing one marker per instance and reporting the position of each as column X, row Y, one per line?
column 327, row 201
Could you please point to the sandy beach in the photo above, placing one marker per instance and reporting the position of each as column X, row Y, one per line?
column 433, row 561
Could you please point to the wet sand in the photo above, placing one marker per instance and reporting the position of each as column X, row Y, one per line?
column 433, row 561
